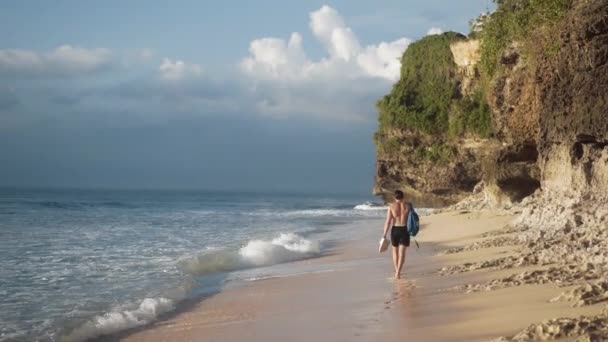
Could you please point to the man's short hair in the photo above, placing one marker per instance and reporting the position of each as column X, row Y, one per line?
column 399, row 194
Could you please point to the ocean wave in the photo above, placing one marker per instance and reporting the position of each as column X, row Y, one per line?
column 57, row 205
column 297, row 213
column 314, row 213
column 119, row 320
column 128, row 317
column 78, row 205
column 370, row 206
column 285, row 247
column 313, row 231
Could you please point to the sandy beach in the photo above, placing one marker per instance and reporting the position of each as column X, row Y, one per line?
column 220, row 171
column 355, row 298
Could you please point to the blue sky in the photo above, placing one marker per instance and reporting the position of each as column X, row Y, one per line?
column 200, row 94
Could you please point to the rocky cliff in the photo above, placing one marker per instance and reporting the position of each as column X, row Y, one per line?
column 434, row 124
column 572, row 139
column 540, row 70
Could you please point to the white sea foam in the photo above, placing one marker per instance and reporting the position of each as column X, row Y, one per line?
column 370, row 206
column 112, row 322
column 303, row 213
column 356, row 211
column 285, row 247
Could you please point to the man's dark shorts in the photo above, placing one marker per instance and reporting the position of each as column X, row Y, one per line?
column 400, row 236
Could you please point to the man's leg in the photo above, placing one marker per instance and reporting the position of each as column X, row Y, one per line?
column 401, row 259
column 395, row 258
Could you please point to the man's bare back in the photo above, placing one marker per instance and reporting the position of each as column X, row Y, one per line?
column 399, row 212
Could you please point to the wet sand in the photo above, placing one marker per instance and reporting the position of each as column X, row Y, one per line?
column 356, row 300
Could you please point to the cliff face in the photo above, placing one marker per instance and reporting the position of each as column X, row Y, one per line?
column 432, row 125
column 547, row 94
column 574, row 104
column 558, row 104
column 573, row 125
column 427, row 180
column 466, row 56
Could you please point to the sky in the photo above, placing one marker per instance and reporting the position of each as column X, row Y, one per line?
column 254, row 95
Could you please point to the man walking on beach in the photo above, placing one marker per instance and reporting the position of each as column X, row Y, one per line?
column 396, row 216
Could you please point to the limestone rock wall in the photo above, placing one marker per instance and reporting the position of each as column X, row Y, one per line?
column 550, row 121
column 466, row 56
column 573, row 142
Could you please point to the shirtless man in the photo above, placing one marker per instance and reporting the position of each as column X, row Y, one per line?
column 396, row 216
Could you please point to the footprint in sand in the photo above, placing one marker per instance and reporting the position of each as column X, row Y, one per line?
column 407, row 284
column 388, row 302
column 397, row 295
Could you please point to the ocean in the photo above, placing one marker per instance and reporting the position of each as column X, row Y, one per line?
column 79, row 264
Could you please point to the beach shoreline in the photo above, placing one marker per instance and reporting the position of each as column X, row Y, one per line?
column 355, row 299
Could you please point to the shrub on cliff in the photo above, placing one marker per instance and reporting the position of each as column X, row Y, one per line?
column 470, row 114
column 427, row 96
column 420, row 100
column 514, row 20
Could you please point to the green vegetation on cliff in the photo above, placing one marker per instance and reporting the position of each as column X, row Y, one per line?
column 436, row 153
column 470, row 114
column 427, row 96
column 514, row 20
column 420, row 100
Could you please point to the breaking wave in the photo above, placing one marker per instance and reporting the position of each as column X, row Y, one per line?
column 370, row 206
column 115, row 321
column 285, row 247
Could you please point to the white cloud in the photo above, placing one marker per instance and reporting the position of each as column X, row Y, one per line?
column 275, row 58
column 19, row 59
column 434, row 31
column 63, row 60
column 384, row 59
column 78, row 59
column 178, row 70
column 300, row 82
column 329, row 27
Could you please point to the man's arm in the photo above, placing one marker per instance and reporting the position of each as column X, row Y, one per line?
column 387, row 223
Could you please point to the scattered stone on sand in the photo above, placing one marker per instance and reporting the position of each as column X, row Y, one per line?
column 495, row 264
column 565, row 235
column 569, row 234
column 583, row 328
column 509, row 229
column 496, row 242
column 587, row 294
column 563, row 276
